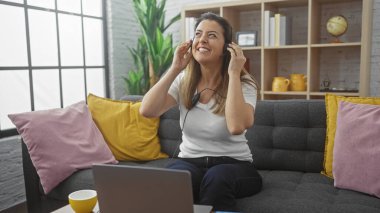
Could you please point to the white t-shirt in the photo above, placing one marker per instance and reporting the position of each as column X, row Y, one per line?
column 205, row 133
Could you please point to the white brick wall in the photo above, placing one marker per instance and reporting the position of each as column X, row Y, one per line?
column 123, row 31
column 375, row 58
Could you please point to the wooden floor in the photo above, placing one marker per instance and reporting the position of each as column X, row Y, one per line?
column 19, row 208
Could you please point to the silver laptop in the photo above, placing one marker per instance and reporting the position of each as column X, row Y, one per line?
column 135, row 189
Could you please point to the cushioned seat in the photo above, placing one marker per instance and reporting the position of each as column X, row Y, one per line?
column 290, row 191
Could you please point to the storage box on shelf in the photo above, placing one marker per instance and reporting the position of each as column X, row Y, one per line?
column 343, row 67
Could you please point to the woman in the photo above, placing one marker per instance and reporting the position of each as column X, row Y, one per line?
column 217, row 98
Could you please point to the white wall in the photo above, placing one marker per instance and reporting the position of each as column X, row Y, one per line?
column 123, row 32
column 375, row 58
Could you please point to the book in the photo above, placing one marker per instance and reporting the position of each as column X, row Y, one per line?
column 277, row 17
column 271, row 31
column 284, row 30
column 267, row 15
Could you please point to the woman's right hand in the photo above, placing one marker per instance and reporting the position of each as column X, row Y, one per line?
column 182, row 56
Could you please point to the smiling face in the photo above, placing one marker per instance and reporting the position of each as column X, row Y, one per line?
column 208, row 42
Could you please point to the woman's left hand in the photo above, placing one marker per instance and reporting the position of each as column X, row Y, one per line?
column 237, row 59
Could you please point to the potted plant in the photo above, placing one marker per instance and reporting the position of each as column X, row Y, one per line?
column 137, row 80
column 155, row 50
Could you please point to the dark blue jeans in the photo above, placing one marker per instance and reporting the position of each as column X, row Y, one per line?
column 218, row 181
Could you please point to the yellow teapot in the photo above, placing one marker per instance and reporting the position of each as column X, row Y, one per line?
column 298, row 82
column 280, row 84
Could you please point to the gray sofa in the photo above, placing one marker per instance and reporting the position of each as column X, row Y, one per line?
column 287, row 141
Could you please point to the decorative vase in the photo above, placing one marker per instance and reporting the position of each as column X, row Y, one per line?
column 298, row 82
column 280, row 84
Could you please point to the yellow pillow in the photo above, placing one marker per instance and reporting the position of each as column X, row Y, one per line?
column 332, row 102
column 129, row 135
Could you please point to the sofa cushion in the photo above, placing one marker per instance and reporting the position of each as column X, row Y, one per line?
column 129, row 135
column 356, row 148
column 61, row 141
column 169, row 132
column 332, row 110
column 291, row 191
column 288, row 135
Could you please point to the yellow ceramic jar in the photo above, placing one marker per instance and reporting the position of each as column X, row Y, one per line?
column 298, row 82
column 280, row 84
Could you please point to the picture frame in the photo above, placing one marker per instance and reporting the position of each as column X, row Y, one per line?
column 247, row 38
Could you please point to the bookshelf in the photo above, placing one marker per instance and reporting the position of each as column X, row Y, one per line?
column 346, row 66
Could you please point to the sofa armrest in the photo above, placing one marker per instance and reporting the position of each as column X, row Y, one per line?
column 32, row 181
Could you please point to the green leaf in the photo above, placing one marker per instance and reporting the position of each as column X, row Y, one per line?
column 172, row 21
column 152, row 45
column 135, row 83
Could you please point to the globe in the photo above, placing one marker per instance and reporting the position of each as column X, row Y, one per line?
column 337, row 26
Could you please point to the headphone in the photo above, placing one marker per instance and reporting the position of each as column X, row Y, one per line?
column 195, row 99
column 197, row 96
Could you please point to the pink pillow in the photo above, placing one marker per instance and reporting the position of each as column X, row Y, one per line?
column 61, row 141
column 357, row 148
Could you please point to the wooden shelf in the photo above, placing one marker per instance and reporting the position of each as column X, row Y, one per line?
column 284, row 93
column 251, row 48
column 299, row 46
column 349, row 44
column 336, row 93
column 309, row 51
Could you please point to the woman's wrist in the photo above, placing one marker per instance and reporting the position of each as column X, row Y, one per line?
column 174, row 69
column 172, row 73
column 234, row 75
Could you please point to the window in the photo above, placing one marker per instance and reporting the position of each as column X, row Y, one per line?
column 52, row 54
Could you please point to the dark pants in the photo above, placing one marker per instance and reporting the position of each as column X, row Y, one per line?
column 217, row 181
